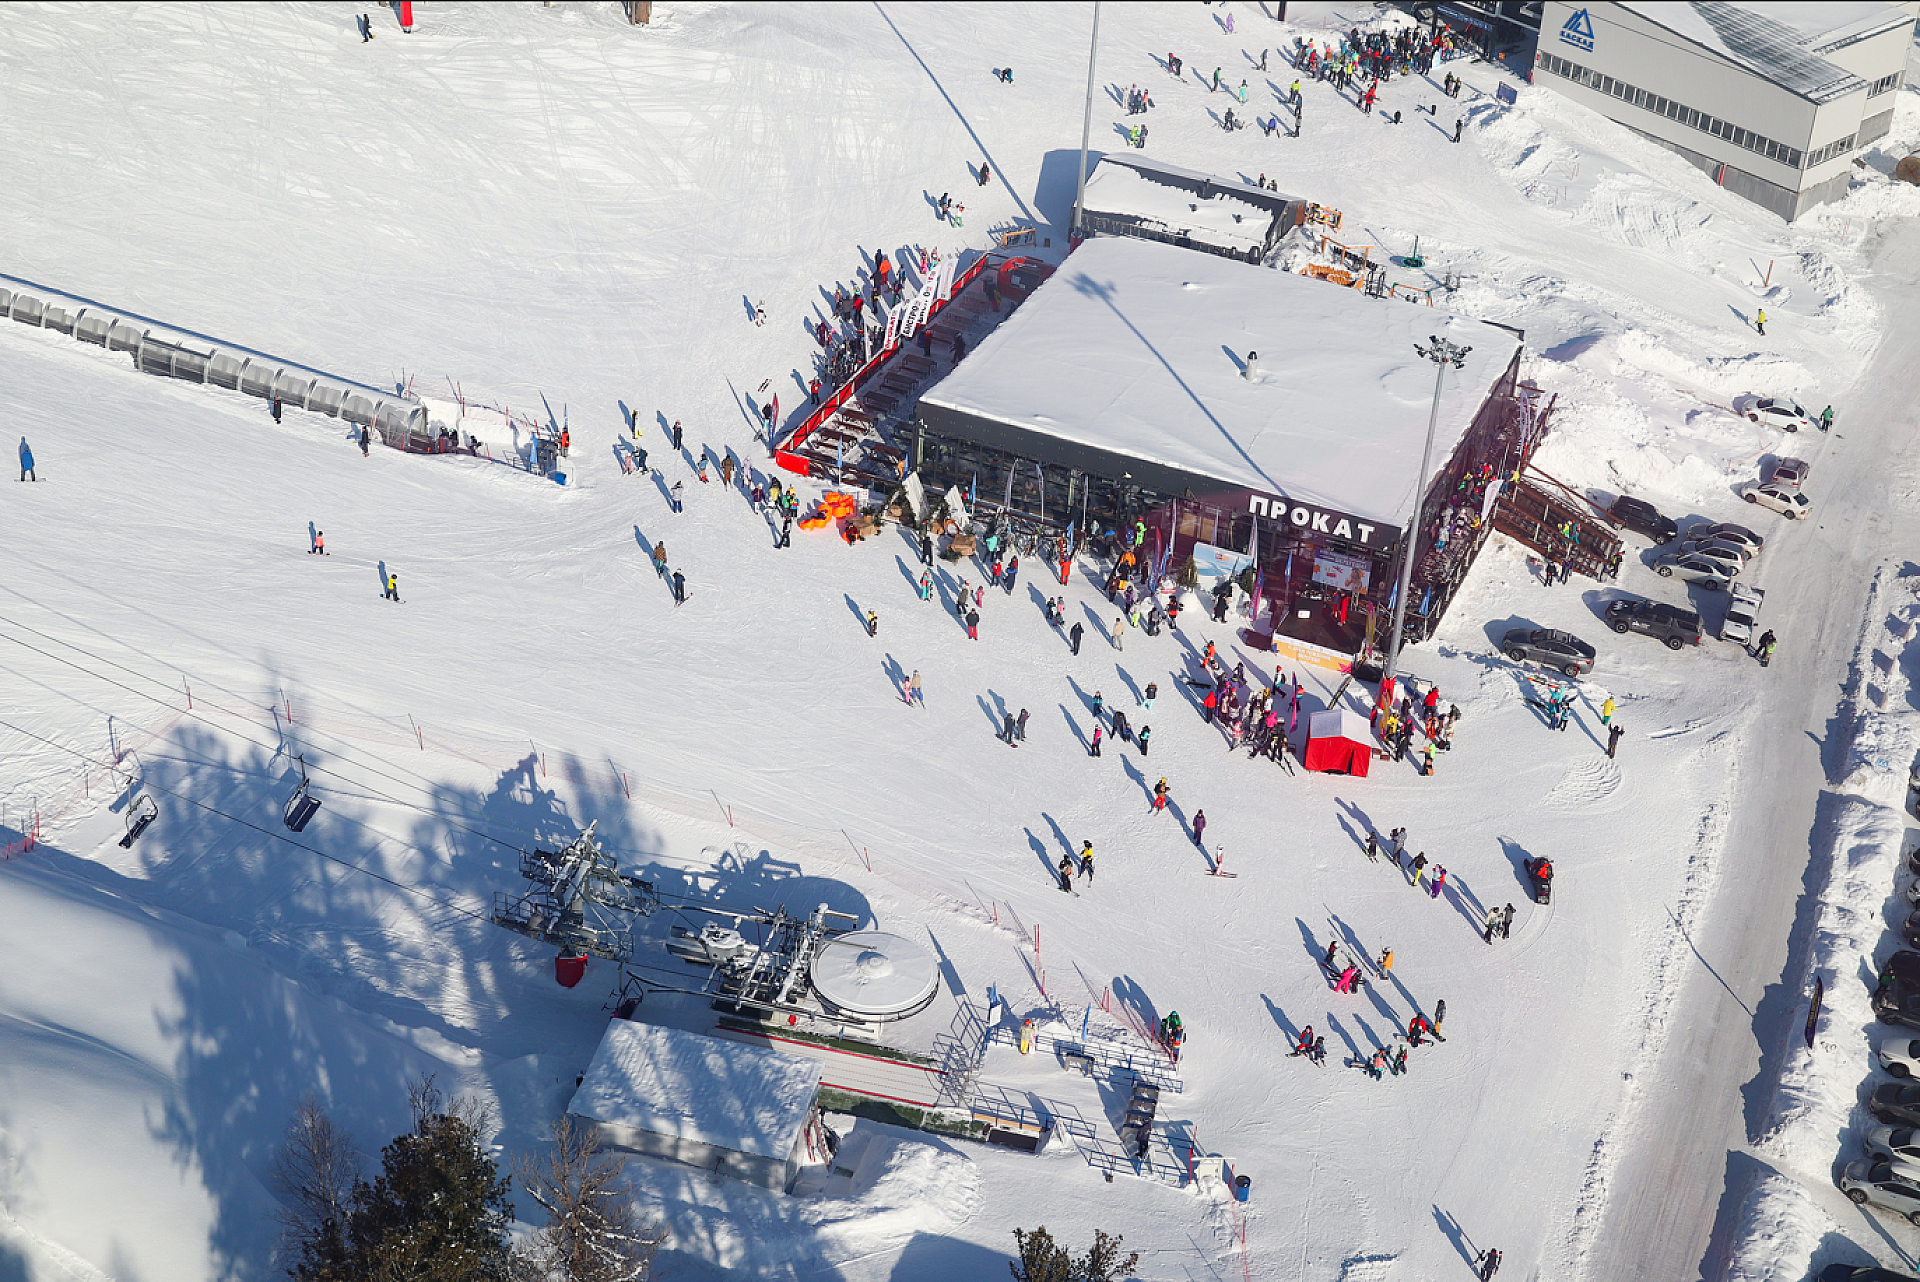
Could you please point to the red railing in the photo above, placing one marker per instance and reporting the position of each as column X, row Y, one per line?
column 786, row 456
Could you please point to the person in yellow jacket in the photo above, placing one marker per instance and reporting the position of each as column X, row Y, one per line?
column 1760, row 321
column 393, row 587
column 1606, row 712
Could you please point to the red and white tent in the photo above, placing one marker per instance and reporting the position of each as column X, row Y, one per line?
column 1339, row 743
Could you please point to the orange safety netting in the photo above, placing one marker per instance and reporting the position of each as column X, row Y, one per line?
column 833, row 506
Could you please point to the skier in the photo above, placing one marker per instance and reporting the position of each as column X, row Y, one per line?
column 1333, row 949
column 679, row 588
column 1199, row 828
column 1760, row 322
column 907, row 689
column 1094, row 750
column 1373, row 846
column 1303, row 1045
column 1488, row 1262
column 1160, row 794
column 1074, row 634
column 1066, row 873
column 392, row 592
column 674, row 496
column 1086, row 861
column 1613, row 740
column 319, row 543
column 26, row 462
column 1146, row 732
column 873, row 624
column 1020, row 726
column 1347, row 976
column 1119, row 632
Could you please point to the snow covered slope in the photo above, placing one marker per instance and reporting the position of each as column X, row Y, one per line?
column 529, row 201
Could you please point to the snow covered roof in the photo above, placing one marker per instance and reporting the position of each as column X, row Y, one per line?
column 668, row 1081
column 1339, row 723
column 1135, row 347
column 1184, row 202
column 1780, row 42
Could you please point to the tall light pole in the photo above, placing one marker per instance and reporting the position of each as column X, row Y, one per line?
column 1441, row 352
column 1086, row 122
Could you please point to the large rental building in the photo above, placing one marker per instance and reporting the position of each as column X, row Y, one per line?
column 1773, row 100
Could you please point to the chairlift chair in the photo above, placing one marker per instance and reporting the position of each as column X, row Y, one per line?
column 302, row 805
column 140, row 813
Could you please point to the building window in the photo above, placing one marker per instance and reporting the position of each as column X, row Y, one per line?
column 1883, row 85
column 1691, row 118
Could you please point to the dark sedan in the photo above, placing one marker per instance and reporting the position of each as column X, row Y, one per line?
column 1896, row 1104
column 1562, row 651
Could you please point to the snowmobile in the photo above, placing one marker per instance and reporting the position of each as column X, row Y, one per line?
column 1540, row 877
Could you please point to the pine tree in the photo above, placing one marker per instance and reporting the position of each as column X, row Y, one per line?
column 593, row 1233
column 1189, row 575
column 1103, row 1261
column 1041, row 1260
column 438, row 1209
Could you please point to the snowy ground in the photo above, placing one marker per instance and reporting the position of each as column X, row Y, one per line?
column 533, row 201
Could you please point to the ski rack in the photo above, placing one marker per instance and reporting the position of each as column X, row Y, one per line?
column 578, row 900
column 1149, row 1066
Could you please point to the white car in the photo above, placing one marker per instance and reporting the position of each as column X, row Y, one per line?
column 1732, row 555
column 1743, row 613
column 1782, row 412
column 1898, row 1144
column 1900, row 1056
column 1696, row 569
column 1884, row 1185
column 1788, row 502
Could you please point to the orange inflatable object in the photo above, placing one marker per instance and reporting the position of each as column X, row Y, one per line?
column 833, row 506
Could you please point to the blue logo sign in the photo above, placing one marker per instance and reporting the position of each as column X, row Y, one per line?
column 1579, row 31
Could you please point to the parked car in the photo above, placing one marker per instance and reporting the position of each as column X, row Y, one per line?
column 1863, row 1273
column 1642, row 517
column 1910, row 928
column 1728, row 532
column 1743, row 613
column 1896, row 1103
column 1897, row 1001
column 1791, row 472
column 1694, row 568
column 1561, row 650
column 1877, row 1182
column 1903, row 965
column 1900, row 1144
column 1718, row 550
column 1669, row 623
column 1900, row 1056
column 1782, row 412
column 1784, row 499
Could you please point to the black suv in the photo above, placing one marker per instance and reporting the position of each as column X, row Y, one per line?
column 1644, row 517
column 1669, row 623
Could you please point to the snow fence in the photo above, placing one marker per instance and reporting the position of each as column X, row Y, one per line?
column 398, row 418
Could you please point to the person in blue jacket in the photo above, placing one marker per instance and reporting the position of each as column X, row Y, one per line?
column 26, row 462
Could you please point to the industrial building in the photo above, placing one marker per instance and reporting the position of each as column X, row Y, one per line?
column 1772, row 100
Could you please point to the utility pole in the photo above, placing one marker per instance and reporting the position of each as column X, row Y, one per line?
column 1442, row 353
column 1086, row 122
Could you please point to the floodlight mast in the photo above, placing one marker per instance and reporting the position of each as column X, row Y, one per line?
column 1086, row 121
column 1441, row 352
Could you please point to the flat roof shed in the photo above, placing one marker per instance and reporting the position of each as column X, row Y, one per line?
column 719, row 1105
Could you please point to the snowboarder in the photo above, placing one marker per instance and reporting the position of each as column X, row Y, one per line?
column 679, row 588
column 1066, row 873
column 674, row 496
column 366, row 28
column 1074, row 634
column 1086, row 861
column 26, row 462
column 1760, row 321
column 1094, row 750
column 392, row 591
column 1613, row 740
column 1199, row 828
column 1146, row 732
column 319, row 543
column 873, row 624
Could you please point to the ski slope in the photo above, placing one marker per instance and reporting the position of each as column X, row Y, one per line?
column 554, row 212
